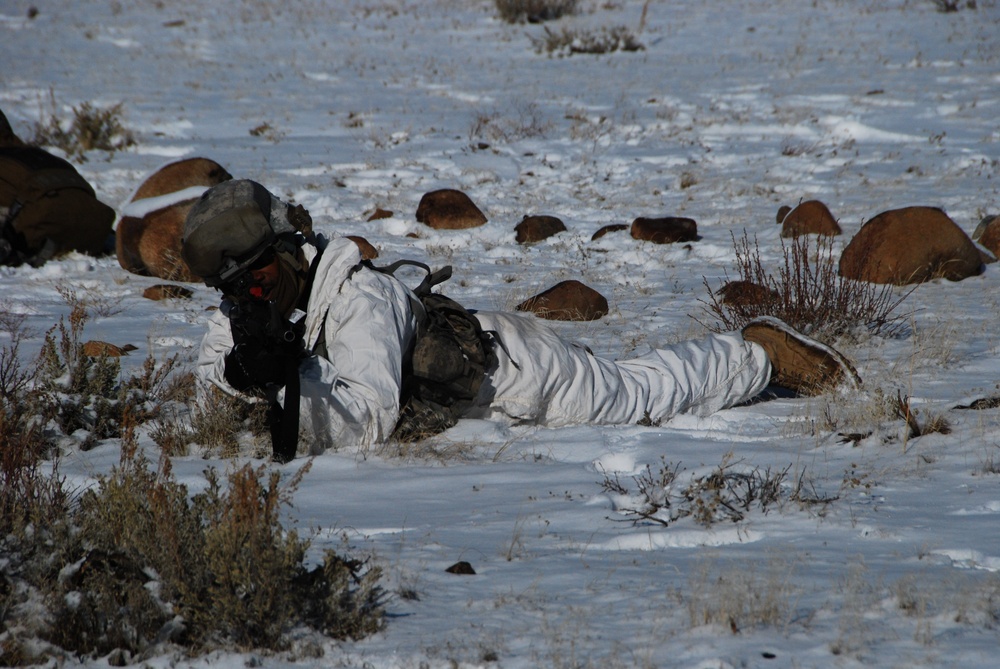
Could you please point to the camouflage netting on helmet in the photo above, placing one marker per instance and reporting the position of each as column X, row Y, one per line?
column 230, row 227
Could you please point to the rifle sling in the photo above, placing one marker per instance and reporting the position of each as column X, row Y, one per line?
column 285, row 421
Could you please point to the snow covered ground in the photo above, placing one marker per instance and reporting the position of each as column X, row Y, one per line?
column 733, row 108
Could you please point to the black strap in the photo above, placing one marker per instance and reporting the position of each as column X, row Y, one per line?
column 433, row 278
column 496, row 339
column 284, row 423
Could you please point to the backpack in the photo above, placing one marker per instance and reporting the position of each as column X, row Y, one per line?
column 47, row 208
column 446, row 367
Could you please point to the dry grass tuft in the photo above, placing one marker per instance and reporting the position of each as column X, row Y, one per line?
column 729, row 493
column 534, row 11
column 138, row 562
column 569, row 41
column 807, row 292
column 91, row 128
column 742, row 597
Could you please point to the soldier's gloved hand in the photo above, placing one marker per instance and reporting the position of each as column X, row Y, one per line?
column 250, row 367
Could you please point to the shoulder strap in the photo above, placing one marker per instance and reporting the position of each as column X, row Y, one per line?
column 433, row 278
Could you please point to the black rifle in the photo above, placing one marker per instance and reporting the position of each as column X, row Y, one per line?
column 261, row 324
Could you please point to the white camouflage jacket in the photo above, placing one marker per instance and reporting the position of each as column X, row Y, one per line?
column 350, row 397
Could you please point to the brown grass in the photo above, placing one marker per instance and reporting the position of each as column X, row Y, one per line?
column 807, row 292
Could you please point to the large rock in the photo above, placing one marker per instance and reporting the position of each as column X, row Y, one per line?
column 148, row 234
column 167, row 292
column 378, row 214
column 987, row 233
column 7, row 135
column 102, row 349
column 567, row 301
column 608, row 229
column 666, row 230
column 449, row 209
column 533, row 229
column 811, row 217
column 746, row 293
column 368, row 252
column 910, row 245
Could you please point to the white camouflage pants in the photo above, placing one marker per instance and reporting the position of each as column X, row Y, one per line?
column 550, row 381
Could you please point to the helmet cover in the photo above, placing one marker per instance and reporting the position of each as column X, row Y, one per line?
column 230, row 227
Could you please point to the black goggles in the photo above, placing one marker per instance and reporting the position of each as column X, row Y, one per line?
column 242, row 284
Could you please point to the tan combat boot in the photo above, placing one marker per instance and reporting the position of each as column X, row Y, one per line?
column 799, row 363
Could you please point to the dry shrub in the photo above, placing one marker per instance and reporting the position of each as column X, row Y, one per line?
column 26, row 493
column 90, row 128
column 948, row 6
column 728, row 493
column 138, row 562
column 807, row 292
column 534, row 11
column 934, row 423
column 742, row 597
column 605, row 40
column 224, row 422
column 88, row 393
column 525, row 121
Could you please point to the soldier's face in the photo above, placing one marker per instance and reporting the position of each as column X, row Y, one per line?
column 258, row 281
column 264, row 281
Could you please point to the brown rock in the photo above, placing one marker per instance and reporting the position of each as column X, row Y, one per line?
column 567, row 301
column 910, row 245
column 614, row 227
column 667, row 230
column 180, row 175
column 811, row 217
column 746, row 293
column 449, row 209
column 379, row 214
column 102, row 349
column 149, row 242
column 987, row 233
column 368, row 252
column 165, row 291
column 462, row 568
column 533, row 229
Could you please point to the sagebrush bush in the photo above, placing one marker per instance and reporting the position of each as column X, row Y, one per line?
column 26, row 493
column 534, row 11
column 947, row 6
column 87, row 392
column 138, row 562
column 806, row 291
column 574, row 41
column 522, row 120
column 225, row 423
column 727, row 494
column 90, row 128
column 742, row 596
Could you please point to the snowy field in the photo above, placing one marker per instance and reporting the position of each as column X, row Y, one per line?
column 732, row 109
